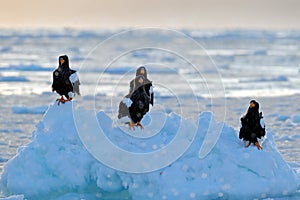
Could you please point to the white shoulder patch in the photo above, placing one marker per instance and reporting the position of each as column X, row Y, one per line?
column 127, row 101
column 262, row 122
column 73, row 78
column 151, row 90
column 71, row 94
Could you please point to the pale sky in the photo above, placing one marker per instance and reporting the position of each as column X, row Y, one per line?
column 263, row 14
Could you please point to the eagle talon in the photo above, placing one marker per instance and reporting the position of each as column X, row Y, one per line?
column 69, row 99
column 131, row 125
column 140, row 125
column 258, row 146
column 62, row 100
column 248, row 144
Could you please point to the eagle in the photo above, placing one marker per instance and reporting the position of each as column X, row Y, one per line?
column 65, row 80
column 136, row 104
column 253, row 126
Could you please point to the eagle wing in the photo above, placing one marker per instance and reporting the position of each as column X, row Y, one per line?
column 75, row 82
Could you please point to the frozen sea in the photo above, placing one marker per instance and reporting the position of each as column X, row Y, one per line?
column 192, row 70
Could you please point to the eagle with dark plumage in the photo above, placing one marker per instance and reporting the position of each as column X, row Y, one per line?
column 65, row 80
column 148, row 84
column 136, row 104
column 253, row 127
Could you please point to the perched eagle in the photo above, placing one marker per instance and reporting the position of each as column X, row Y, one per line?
column 136, row 104
column 253, row 126
column 148, row 84
column 65, row 80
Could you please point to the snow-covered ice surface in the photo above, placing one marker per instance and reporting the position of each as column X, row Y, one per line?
column 56, row 163
column 252, row 64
